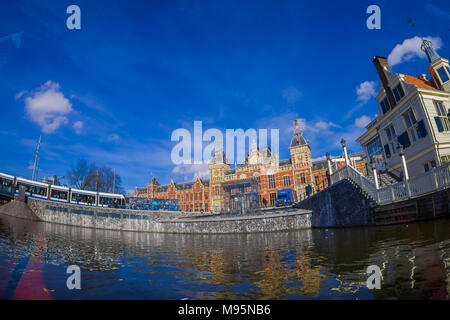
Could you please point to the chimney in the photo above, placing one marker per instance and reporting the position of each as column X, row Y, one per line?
column 381, row 65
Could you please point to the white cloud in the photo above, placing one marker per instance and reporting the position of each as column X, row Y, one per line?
column 319, row 158
column 365, row 91
column 362, row 121
column 47, row 106
column 318, row 126
column 78, row 126
column 192, row 169
column 410, row 48
column 291, row 95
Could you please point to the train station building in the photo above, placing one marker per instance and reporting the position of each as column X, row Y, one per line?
column 255, row 182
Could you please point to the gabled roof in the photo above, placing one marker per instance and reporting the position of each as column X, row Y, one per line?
column 426, row 84
column 154, row 181
column 298, row 139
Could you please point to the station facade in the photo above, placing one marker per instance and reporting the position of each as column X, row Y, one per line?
column 255, row 182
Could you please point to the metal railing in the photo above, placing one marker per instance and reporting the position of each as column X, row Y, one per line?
column 433, row 180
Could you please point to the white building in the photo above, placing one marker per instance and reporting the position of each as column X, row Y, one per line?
column 413, row 112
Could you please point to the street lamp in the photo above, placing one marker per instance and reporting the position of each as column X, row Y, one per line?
column 400, row 149
column 373, row 166
column 329, row 166
column 345, row 151
column 97, row 175
column 403, row 160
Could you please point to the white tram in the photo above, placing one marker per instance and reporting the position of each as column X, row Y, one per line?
column 50, row 192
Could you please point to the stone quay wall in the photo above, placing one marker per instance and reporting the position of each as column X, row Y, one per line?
column 160, row 221
column 340, row 205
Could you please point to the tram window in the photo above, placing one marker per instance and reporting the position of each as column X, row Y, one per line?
column 83, row 199
column 59, row 194
column 5, row 182
column 40, row 191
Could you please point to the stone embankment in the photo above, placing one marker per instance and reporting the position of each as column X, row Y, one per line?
column 154, row 221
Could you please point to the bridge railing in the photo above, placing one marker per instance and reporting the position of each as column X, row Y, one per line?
column 433, row 180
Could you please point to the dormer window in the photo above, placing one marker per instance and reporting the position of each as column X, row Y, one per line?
column 398, row 92
column 385, row 106
column 443, row 74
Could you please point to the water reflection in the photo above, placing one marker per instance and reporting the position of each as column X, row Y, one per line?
column 319, row 263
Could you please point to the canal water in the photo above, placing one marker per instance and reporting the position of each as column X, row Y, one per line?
column 308, row 264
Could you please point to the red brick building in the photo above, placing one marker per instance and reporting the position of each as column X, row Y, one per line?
column 261, row 174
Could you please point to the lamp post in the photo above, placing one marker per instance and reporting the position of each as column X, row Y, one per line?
column 329, row 167
column 345, row 151
column 329, row 162
column 401, row 153
column 97, row 175
column 373, row 166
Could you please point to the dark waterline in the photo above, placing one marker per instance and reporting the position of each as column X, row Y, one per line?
column 307, row 264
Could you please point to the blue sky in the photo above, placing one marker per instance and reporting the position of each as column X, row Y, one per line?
column 138, row 70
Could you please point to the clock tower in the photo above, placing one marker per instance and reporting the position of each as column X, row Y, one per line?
column 301, row 163
column 217, row 168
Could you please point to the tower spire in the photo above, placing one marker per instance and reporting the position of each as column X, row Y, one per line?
column 297, row 138
column 427, row 47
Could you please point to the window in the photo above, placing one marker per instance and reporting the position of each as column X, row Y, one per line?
column 403, row 139
column 272, row 184
column 445, row 159
column 374, row 147
column 440, row 108
column 442, row 121
column 398, row 92
column 421, row 131
column 317, row 180
column 391, row 135
column 387, row 151
column 302, row 178
column 410, row 121
column 429, row 165
column 273, row 197
column 442, row 74
column 385, row 106
column 287, row 181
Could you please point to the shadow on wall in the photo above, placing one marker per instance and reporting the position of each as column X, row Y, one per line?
column 340, row 205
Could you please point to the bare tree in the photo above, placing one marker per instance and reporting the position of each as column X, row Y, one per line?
column 77, row 175
column 92, row 177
